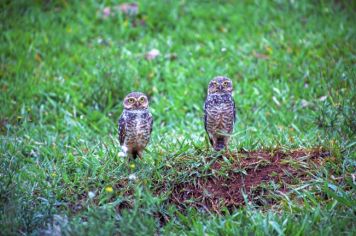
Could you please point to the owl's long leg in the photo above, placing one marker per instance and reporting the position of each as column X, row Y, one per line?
column 212, row 141
column 139, row 154
column 226, row 141
column 219, row 143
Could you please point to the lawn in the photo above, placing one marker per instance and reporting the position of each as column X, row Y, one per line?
column 67, row 65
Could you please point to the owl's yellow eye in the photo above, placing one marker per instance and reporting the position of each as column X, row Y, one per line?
column 225, row 84
column 142, row 99
column 131, row 100
column 214, row 83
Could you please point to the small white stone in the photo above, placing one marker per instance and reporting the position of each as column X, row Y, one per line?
column 323, row 98
column 305, row 103
column 152, row 54
column 91, row 195
column 124, row 149
column 121, row 154
column 223, row 50
column 132, row 177
column 106, row 12
column 33, row 153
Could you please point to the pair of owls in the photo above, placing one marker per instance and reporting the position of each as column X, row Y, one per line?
column 135, row 122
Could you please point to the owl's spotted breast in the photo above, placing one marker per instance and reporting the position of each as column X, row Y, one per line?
column 220, row 113
column 138, row 128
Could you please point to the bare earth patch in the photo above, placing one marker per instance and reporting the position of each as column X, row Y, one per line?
column 256, row 174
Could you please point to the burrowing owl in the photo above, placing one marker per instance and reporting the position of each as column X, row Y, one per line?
column 220, row 114
column 135, row 124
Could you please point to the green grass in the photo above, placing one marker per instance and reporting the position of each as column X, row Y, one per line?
column 64, row 73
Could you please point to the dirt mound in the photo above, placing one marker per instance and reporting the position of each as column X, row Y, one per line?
column 257, row 174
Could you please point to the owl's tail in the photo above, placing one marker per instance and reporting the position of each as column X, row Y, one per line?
column 220, row 144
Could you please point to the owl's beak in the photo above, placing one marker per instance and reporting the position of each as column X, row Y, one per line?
column 220, row 87
column 137, row 104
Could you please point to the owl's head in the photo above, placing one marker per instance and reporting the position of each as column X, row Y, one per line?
column 220, row 85
column 136, row 101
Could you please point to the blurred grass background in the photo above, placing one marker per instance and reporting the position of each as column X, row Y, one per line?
column 65, row 69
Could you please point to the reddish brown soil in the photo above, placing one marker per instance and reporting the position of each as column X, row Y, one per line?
column 258, row 174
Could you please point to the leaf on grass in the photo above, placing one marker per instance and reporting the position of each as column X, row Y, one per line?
column 305, row 103
column 276, row 101
column 171, row 56
column 128, row 8
column 261, row 56
column 323, row 98
column 106, row 12
column 152, row 54
column 38, row 57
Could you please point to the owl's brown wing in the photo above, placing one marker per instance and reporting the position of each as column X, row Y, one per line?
column 122, row 126
column 206, row 122
column 234, row 110
column 150, row 121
